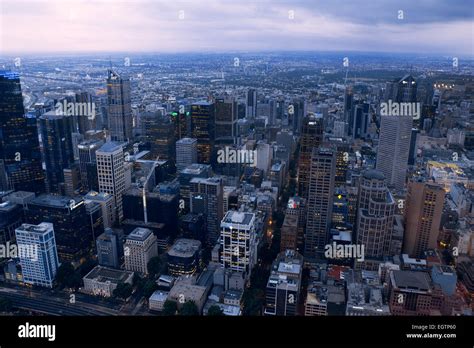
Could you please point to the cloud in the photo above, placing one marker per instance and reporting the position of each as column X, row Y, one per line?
column 428, row 26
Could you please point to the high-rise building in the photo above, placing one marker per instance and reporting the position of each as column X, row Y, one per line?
column 206, row 197
column 119, row 109
column 111, row 173
column 108, row 249
column 139, row 247
column 375, row 215
column 311, row 136
column 184, row 257
column 88, row 163
column 394, row 149
column 58, row 153
column 402, row 90
column 159, row 134
column 11, row 216
column 226, row 120
column 186, row 152
column 359, row 121
column 107, row 204
column 424, row 207
column 20, row 156
column 239, row 242
column 38, row 254
column 251, row 108
column 202, row 126
column 72, row 229
column 284, row 283
column 320, row 201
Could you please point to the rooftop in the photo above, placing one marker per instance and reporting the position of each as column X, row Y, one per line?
column 184, row 247
column 410, row 280
column 103, row 274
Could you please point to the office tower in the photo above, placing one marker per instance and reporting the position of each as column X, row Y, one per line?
column 195, row 170
column 251, row 107
column 311, row 136
column 424, row 207
column 139, row 247
column 119, row 110
column 88, row 164
column 284, row 283
column 206, row 196
column 295, row 114
column 108, row 249
column 72, row 180
column 289, row 233
column 402, row 90
column 393, row 149
column 71, row 224
column 158, row 133
column 360, row 121
column 11, row 216
column 111, row 173
column 226, row 120
column 264, row 157
column 375, row 215
column 297, row 207
column 58, row 153
column 184, row 257
column 20, row 156
column 186, row 152
column 38, row 254
column 107, row 205
column 238, row 242
column 320, row 201
column 202, row 128
column 410, row 293
column 85, row 119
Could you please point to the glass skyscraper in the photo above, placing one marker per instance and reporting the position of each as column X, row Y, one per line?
column 20, row 157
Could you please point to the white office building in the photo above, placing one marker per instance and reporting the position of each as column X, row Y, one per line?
column 238, row 242
column 111, row 173
column 38, row 254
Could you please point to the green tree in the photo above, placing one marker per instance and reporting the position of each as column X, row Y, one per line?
column 67, row 276
column 123, row 290
column 169, row 308
column 155, row 266
column 149, row 288
column 189, row 309
column 214, row 311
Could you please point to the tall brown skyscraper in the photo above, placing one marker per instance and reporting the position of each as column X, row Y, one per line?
column 424, row 207
column 320, row 201
column 119, row 107
column 311, row 137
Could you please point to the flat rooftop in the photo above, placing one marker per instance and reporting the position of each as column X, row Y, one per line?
column 235, row 217
column 139, row 234
column 410, row 280
column 103, row 274
column 184, row 247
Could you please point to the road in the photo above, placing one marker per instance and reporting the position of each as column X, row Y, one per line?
column 44, row 302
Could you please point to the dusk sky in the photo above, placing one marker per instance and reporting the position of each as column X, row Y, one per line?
column 428, row 26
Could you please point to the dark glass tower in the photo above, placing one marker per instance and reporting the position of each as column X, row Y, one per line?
column 57, row 148
column 20, row 157
column 202, row 122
